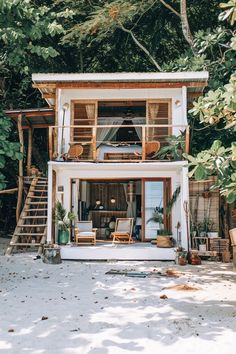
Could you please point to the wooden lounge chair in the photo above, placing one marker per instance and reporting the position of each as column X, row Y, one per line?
column 85, row 233
column 123, row 231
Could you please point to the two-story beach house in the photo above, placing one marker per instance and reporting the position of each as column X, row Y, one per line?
column 105, row 156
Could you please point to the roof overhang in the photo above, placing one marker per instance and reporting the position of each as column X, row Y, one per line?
column 195, row 81
column 33, row 117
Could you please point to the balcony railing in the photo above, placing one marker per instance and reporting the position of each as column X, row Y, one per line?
column 104, row 143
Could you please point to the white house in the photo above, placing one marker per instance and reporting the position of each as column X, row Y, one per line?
column 102, row 154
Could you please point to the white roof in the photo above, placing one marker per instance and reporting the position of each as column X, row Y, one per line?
column 123, row 77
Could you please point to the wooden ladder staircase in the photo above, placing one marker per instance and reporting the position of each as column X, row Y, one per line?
column 31, row 229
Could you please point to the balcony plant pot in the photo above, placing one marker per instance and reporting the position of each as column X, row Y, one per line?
column 63, row 237
column 164, row 241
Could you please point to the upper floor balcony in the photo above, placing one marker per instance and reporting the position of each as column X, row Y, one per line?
column 120, row 143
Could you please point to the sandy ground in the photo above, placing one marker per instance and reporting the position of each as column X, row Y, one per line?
column 88, row 312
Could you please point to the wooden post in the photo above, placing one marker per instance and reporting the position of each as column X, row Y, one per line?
column 187, row 140
column 50, row 143
column 29, row 152
column 94, row 144
column 234, row 258
column 143, row 143
column 20, row 164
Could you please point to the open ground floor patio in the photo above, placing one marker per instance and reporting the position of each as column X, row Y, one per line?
column 75, row 307
column 109, row 251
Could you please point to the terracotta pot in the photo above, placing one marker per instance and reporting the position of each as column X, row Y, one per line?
column 195, row 259
column 182, row 260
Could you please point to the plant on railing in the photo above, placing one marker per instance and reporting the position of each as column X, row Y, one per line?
column 174, row 149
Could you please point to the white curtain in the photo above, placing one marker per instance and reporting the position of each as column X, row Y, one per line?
column 153, row 109
column 130, row 208
column 90, row 111
column 106, row 134
column 138, row 121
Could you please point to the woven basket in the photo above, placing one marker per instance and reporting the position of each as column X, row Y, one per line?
column 164, row 241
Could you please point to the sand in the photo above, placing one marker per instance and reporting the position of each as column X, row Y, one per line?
column 74, row 307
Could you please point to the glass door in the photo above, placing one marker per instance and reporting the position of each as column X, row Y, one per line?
column 155, row 193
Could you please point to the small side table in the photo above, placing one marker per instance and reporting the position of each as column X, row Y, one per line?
column 200, row 240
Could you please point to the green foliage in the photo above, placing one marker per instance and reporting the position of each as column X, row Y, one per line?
column 174, row 149
column 219, row 161
column 218, row 106
column 8, row 149
column 62, row 217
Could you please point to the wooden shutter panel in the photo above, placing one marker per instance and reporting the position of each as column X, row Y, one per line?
column 159, row 114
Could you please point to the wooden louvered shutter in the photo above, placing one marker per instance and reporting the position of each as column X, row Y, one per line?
column 83, row 114
column 159, row 113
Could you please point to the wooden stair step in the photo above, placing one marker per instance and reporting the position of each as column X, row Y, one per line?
column 35, row 203
column 32, row 225
column 41, row 190
column 28, row 234
column 41, row 209
column 25, row 244
column 34, row 217
column 37, row 196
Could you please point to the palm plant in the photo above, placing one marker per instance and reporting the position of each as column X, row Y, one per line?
column 62, row 217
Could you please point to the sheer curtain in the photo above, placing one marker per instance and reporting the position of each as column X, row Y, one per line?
column 106, row 134
column 153, row 109
column 129, row 204
column 90, row 111
column 137, row 121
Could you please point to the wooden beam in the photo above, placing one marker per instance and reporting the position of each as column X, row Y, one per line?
column 187, row 139
column 44, row 85
column 48, row 95
column 29, row 151
column 133, row 85
column 20, row 167
column 9, row 191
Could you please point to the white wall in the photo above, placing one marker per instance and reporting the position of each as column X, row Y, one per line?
column 178, row 96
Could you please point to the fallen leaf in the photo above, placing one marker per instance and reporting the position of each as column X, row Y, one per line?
column 44, row 318
column 163, row 297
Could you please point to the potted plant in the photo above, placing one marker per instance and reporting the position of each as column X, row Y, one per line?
column 181, row 256
column 164, row 238
column 174, row 148
column 63, row 220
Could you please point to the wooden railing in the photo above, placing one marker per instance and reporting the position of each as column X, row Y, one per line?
column 62, row 137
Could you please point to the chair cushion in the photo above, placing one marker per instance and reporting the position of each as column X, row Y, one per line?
column 123, row 225
column 84, row 233
column 85, row 226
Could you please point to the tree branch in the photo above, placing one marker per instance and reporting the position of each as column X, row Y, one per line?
column 184, row 20
column 170, row 8
column 185, row 25
column 141, row 46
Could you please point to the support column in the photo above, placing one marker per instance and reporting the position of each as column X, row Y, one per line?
column 185, row 229
column 29, row 152
column 20, row 168
column 50, row 202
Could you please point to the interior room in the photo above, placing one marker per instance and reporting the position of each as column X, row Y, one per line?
column 103, row 201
